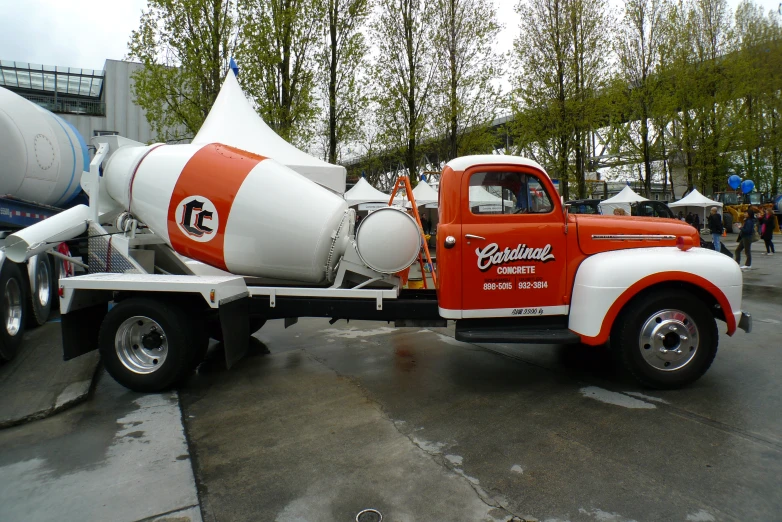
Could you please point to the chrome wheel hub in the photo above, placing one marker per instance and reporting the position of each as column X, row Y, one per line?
column 13, row 307
column 141, row 344
column 669, row 340
column 42, row 284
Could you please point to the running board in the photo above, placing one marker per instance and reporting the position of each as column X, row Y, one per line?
column 474, row 334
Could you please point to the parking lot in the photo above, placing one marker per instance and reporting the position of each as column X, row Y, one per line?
column 412, row 423
column 422, row 427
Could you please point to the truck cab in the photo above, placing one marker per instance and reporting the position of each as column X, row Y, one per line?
column 515, row 266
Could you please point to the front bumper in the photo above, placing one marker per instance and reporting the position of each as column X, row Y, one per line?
column 745, row 322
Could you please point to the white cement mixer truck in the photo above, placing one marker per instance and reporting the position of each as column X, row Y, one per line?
column 214, row 238
column 42, row 158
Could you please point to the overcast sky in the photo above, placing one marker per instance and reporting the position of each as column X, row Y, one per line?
column 84, row 33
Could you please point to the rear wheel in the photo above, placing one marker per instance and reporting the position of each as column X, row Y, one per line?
column 666, row 339
column 39, row 306
column 12, row 310
column 148, row 345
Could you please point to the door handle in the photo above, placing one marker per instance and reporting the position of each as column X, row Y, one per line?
column 450, row 242
column 471, row 236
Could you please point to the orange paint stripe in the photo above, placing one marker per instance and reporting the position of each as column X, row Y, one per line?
column 215, row 172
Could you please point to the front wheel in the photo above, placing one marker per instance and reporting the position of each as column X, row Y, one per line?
column 147, row 345
column 666, row 339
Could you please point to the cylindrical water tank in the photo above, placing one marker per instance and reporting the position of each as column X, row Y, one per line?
column 388, row 240
column 232, row 209
column 42, row 156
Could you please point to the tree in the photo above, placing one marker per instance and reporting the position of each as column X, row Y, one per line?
column 711, row 25
column 403, row 74
column 343, row 58
column 542, row 83
column 277, row 49
column 563, row 66
column 465, row 94
column 184, row 47
column 640, row 44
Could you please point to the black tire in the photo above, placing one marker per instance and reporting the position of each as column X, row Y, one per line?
column 678, row 312
column 13, row 295
column 42, row 293
column 140, row 370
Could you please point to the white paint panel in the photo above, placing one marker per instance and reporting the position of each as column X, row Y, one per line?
column 602, row 278
column 153, row 184
column 269, row 235
column 465, row 162
column 503, row 312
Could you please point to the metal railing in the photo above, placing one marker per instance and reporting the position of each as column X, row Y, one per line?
column 68, row 105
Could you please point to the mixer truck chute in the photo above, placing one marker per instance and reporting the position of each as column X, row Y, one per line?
column 199, row 240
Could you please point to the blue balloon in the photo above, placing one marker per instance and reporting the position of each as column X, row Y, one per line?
column 734, row 181
column 747, row 185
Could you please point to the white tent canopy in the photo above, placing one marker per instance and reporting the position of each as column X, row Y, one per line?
column 696, row 200
column 232, row 121
column 423, row 193
column 363, row 192
column 621, row 200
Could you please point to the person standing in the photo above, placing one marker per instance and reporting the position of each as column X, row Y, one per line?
column 745, row 239
column 715, row 227
column 696, row 222
column 767, row 225
column 425, row 224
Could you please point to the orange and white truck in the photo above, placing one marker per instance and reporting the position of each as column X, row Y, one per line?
column 215, row 237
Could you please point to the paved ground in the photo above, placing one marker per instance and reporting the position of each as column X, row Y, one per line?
column 38, row 382
column 119, row 457
column 764, row 280
column 422, row 427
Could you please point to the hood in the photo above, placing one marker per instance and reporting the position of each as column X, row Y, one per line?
column 620, row 228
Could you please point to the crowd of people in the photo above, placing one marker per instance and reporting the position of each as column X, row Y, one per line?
column 753, row 229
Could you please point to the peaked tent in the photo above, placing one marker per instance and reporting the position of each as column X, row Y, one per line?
column 232, row 121
column 423, row 193
column 363, row 192
column 696, row 200
column 621, row 200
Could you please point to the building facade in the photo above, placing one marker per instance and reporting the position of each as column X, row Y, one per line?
column 96, row 102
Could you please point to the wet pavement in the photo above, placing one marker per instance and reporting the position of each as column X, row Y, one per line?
column 343, row 417
column 119, row 457
column 37, row 382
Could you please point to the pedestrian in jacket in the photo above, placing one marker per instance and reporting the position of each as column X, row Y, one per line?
column 745, row 238
column 715, row 227
column 767, row 225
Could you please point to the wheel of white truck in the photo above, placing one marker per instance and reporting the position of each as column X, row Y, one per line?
column 39, row 305
column 145, row 344
column 666, row 339
column 12, row 310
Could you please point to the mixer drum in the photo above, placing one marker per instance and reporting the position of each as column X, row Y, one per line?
column 388, row 240
column 232, row 209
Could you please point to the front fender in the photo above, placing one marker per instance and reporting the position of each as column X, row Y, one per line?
column 606, row 282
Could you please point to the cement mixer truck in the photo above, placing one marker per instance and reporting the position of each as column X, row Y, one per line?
column 42, row 158
column 216, row 237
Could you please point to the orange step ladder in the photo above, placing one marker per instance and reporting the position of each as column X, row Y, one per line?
column 409, row 191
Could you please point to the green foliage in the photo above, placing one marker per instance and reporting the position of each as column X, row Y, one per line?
column 277, row 50
column 184, row 47
column 403, row 75
column 465, row 97
column 343, row 59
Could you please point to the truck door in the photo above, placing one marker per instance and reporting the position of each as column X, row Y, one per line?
column 514, row 249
